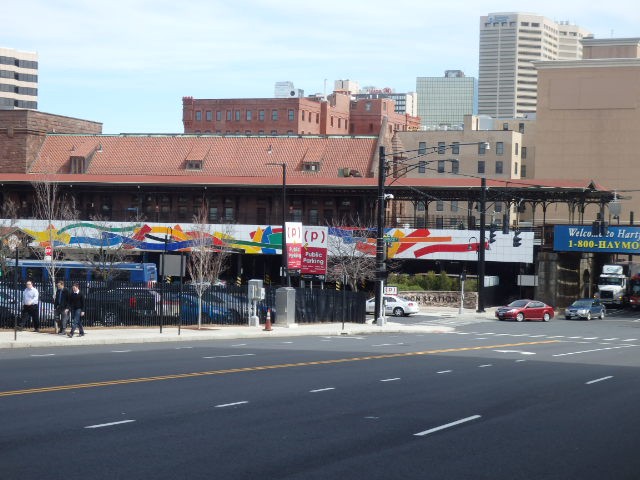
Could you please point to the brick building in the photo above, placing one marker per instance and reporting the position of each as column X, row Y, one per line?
column 22, row 133
column 337, row 115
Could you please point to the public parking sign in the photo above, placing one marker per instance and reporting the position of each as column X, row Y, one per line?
column 314, row 251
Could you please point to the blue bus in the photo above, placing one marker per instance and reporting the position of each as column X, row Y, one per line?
column 37, row 271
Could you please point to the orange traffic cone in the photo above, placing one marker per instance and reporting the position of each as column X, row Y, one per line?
column 267, row 322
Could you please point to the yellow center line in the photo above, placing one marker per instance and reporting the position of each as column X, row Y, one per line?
column 175, row 376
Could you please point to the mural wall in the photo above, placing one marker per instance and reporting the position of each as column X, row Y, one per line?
column 403, row 243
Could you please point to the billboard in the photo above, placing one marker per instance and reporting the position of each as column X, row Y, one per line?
column 580, row 238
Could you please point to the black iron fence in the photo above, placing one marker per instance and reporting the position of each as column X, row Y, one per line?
column 125, row 304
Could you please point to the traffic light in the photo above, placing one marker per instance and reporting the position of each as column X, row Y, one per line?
column 517, row 241
column 492, row 232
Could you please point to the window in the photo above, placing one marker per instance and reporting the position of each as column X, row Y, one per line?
column 198, row 115
column 274, row 114
column 524, row 153
column 314, row 216
column 498, row 207
column 482, row 148
column 523, row 171
column 422, row 166
column 229, row 115
column 441, row 148
column 480, row 166
column 422, row 148
column 209, row 116
column 516, row 149
column 455, row 166
column 237, row 115
column 274, row 132
column 194, row 165
column 261, row 115
column 291, row 115
column 218, row 116
column 515, row 168
column 367, row 106
column 454, row 206
column 228, row 214
column 521, row 127
column 303, row 115
column 499, row 167
column 440, row 166
column 499, row 148
column 439, row 206
column 420, row 207
column 455, row 148
column 505, row 126
column 249, row 115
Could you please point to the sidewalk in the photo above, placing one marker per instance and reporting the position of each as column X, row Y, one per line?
column 115, row 336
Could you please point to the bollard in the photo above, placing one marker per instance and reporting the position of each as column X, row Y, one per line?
column 267, row 322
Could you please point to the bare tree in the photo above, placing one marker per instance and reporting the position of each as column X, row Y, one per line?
column 8, row 231
column 351, row 254
column 51, row 206
column 209, row 255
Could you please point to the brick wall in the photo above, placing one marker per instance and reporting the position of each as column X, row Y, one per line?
column 23, row 131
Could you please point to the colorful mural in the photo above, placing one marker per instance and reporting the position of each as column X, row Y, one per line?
column 402, row 243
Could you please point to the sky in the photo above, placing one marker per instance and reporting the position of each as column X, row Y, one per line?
column 128, row 63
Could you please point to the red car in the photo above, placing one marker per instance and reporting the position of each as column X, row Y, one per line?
column 521, row 310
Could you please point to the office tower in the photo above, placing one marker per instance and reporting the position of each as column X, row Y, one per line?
column 18, row 79
column 509, row 42
column 444, row 101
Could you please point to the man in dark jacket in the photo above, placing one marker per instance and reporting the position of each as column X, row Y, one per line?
column 76, row 306
column 61, row 304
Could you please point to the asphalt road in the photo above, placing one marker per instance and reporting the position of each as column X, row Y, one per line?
column 492, row 400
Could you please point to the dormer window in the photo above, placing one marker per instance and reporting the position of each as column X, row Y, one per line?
column 311, row 167
column 194, row 164
column 78, row 165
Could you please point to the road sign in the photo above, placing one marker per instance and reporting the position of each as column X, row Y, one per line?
column 48, row 252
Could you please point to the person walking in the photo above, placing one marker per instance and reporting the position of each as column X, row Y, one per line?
column 30, row 299
column 61, row 305
column 76, row 307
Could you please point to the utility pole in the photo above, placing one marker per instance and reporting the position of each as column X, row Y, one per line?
column 481, row 250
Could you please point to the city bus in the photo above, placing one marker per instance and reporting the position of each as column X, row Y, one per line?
column 37, row 271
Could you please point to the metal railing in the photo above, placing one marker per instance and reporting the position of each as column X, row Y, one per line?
column 126, row 304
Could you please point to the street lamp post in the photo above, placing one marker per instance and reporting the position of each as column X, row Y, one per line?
column 285, row 260
column 381, row 271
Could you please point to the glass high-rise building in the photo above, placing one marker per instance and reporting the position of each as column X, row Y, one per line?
column 444, row 101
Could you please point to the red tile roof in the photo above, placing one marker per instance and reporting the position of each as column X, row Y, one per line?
column 152, row 155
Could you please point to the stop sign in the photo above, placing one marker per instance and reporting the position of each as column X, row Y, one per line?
column 47, row 251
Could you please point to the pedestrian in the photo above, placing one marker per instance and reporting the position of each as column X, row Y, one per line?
column 76, row 307
column 30, row 307
column 61, row 305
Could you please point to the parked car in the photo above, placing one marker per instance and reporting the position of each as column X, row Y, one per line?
column 9, row 309
column 395, row 305
column 586, row 308
column 125, row 305
column 11, row 306
column 212, row 312
column 521, row 310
